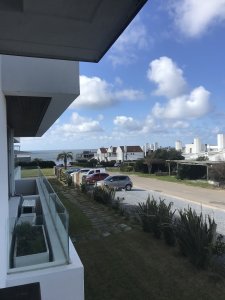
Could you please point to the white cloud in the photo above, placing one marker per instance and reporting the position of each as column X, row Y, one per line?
column 96, row 92
column 169, row 78
column 133, row 39
column 78, row 125
column 180, row 124
column 194, row 105
column 194, row 17
column 129, row 94
column 127, row 123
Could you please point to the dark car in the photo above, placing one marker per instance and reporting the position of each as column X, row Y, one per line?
column 92, row 179
column 117, row 182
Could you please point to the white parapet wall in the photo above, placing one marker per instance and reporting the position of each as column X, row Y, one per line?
column 58, row 283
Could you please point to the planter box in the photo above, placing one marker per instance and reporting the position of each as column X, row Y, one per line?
column 31, row 259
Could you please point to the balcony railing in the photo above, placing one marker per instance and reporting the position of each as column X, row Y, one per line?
column 48, row 212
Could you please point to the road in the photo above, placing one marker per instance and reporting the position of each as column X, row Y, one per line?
column 209, row 201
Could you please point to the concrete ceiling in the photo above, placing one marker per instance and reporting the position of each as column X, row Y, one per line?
column 79, row 30
column 25, row 114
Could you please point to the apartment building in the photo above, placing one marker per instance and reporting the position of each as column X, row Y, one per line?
column 41, row 43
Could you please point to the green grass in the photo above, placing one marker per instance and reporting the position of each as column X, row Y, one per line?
column 135, row 266
column 26, row 173
column 78, row 221
column 197, row 183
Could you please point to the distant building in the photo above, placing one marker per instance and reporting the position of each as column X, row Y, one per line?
column 178, row 145
column 101, row 154
column 86, row 155
column 125, row 153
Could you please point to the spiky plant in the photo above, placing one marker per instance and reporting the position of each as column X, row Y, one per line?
column 195, row 235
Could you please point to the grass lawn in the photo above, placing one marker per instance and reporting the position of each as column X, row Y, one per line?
column 78, row 221
column 133, row 265
column 198, row 183
column 25, row 173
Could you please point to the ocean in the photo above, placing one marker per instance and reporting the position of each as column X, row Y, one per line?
column 52, row 154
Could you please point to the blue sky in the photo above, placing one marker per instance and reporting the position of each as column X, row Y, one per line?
column 163, row 80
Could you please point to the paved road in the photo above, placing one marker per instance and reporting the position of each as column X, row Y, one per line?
column 209, row 201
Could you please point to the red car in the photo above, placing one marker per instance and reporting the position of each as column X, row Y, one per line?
column 91, row 179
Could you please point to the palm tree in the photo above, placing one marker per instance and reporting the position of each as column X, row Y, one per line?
column 64, row 156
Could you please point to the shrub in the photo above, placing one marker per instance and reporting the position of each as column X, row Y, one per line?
column 104, row 195
column 157, row 218
column 191, row 172
column 195, row 237
column 219, row 247
column 83, row 187
column 147, row 211
column 30, row 239
column 33, row 164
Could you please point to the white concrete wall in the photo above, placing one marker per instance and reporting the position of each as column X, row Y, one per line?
column 57, row 283
column 178, row 145
column 25, row 76
column 134, row 155
column 189, row 148
column 197, row 145
column 3, row 187
column 221, row 141
column 119, row 153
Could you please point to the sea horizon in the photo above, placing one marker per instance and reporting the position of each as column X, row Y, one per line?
column 52, row 154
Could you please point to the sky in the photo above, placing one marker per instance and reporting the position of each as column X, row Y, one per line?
column 163, row 80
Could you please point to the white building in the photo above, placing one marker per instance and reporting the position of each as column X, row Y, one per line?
column 34, row 92
column 101, row 154
column 221, row 141
column 125, row 153
column 178, row 145
column 195, row 147
column 111, row 153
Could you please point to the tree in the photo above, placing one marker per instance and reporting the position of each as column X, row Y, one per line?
column 160, row 156
column 64, row 156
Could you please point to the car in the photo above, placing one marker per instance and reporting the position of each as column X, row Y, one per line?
column 81, row 171
column 117, row 182
column 117, row 165
column 92, row 179
column 72, row 170
column 97, row 170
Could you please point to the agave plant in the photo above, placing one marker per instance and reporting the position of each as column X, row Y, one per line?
column 104, row 195
column 195, row 235
column 147, row 212
column 155, row 216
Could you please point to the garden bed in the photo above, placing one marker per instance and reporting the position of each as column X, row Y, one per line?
column 31, row 245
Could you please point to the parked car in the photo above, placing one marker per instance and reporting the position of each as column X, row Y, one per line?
column 93, row 178
column 96, row 170
column 72, row 170
column 117, row 182
column 117, row 165
column 82, row 171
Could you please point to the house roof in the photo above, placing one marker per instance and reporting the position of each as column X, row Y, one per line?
column 132, row 148
column 64, row 29
column 103, row 150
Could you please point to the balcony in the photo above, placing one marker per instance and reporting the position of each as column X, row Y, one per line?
column 38, row 205
column 37, row 214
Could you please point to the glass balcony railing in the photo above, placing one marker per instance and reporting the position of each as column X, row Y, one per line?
column 38, row 206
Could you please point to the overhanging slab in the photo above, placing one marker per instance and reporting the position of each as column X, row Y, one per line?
column 78, row 30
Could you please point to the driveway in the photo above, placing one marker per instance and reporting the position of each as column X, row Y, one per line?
column 209, row 201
